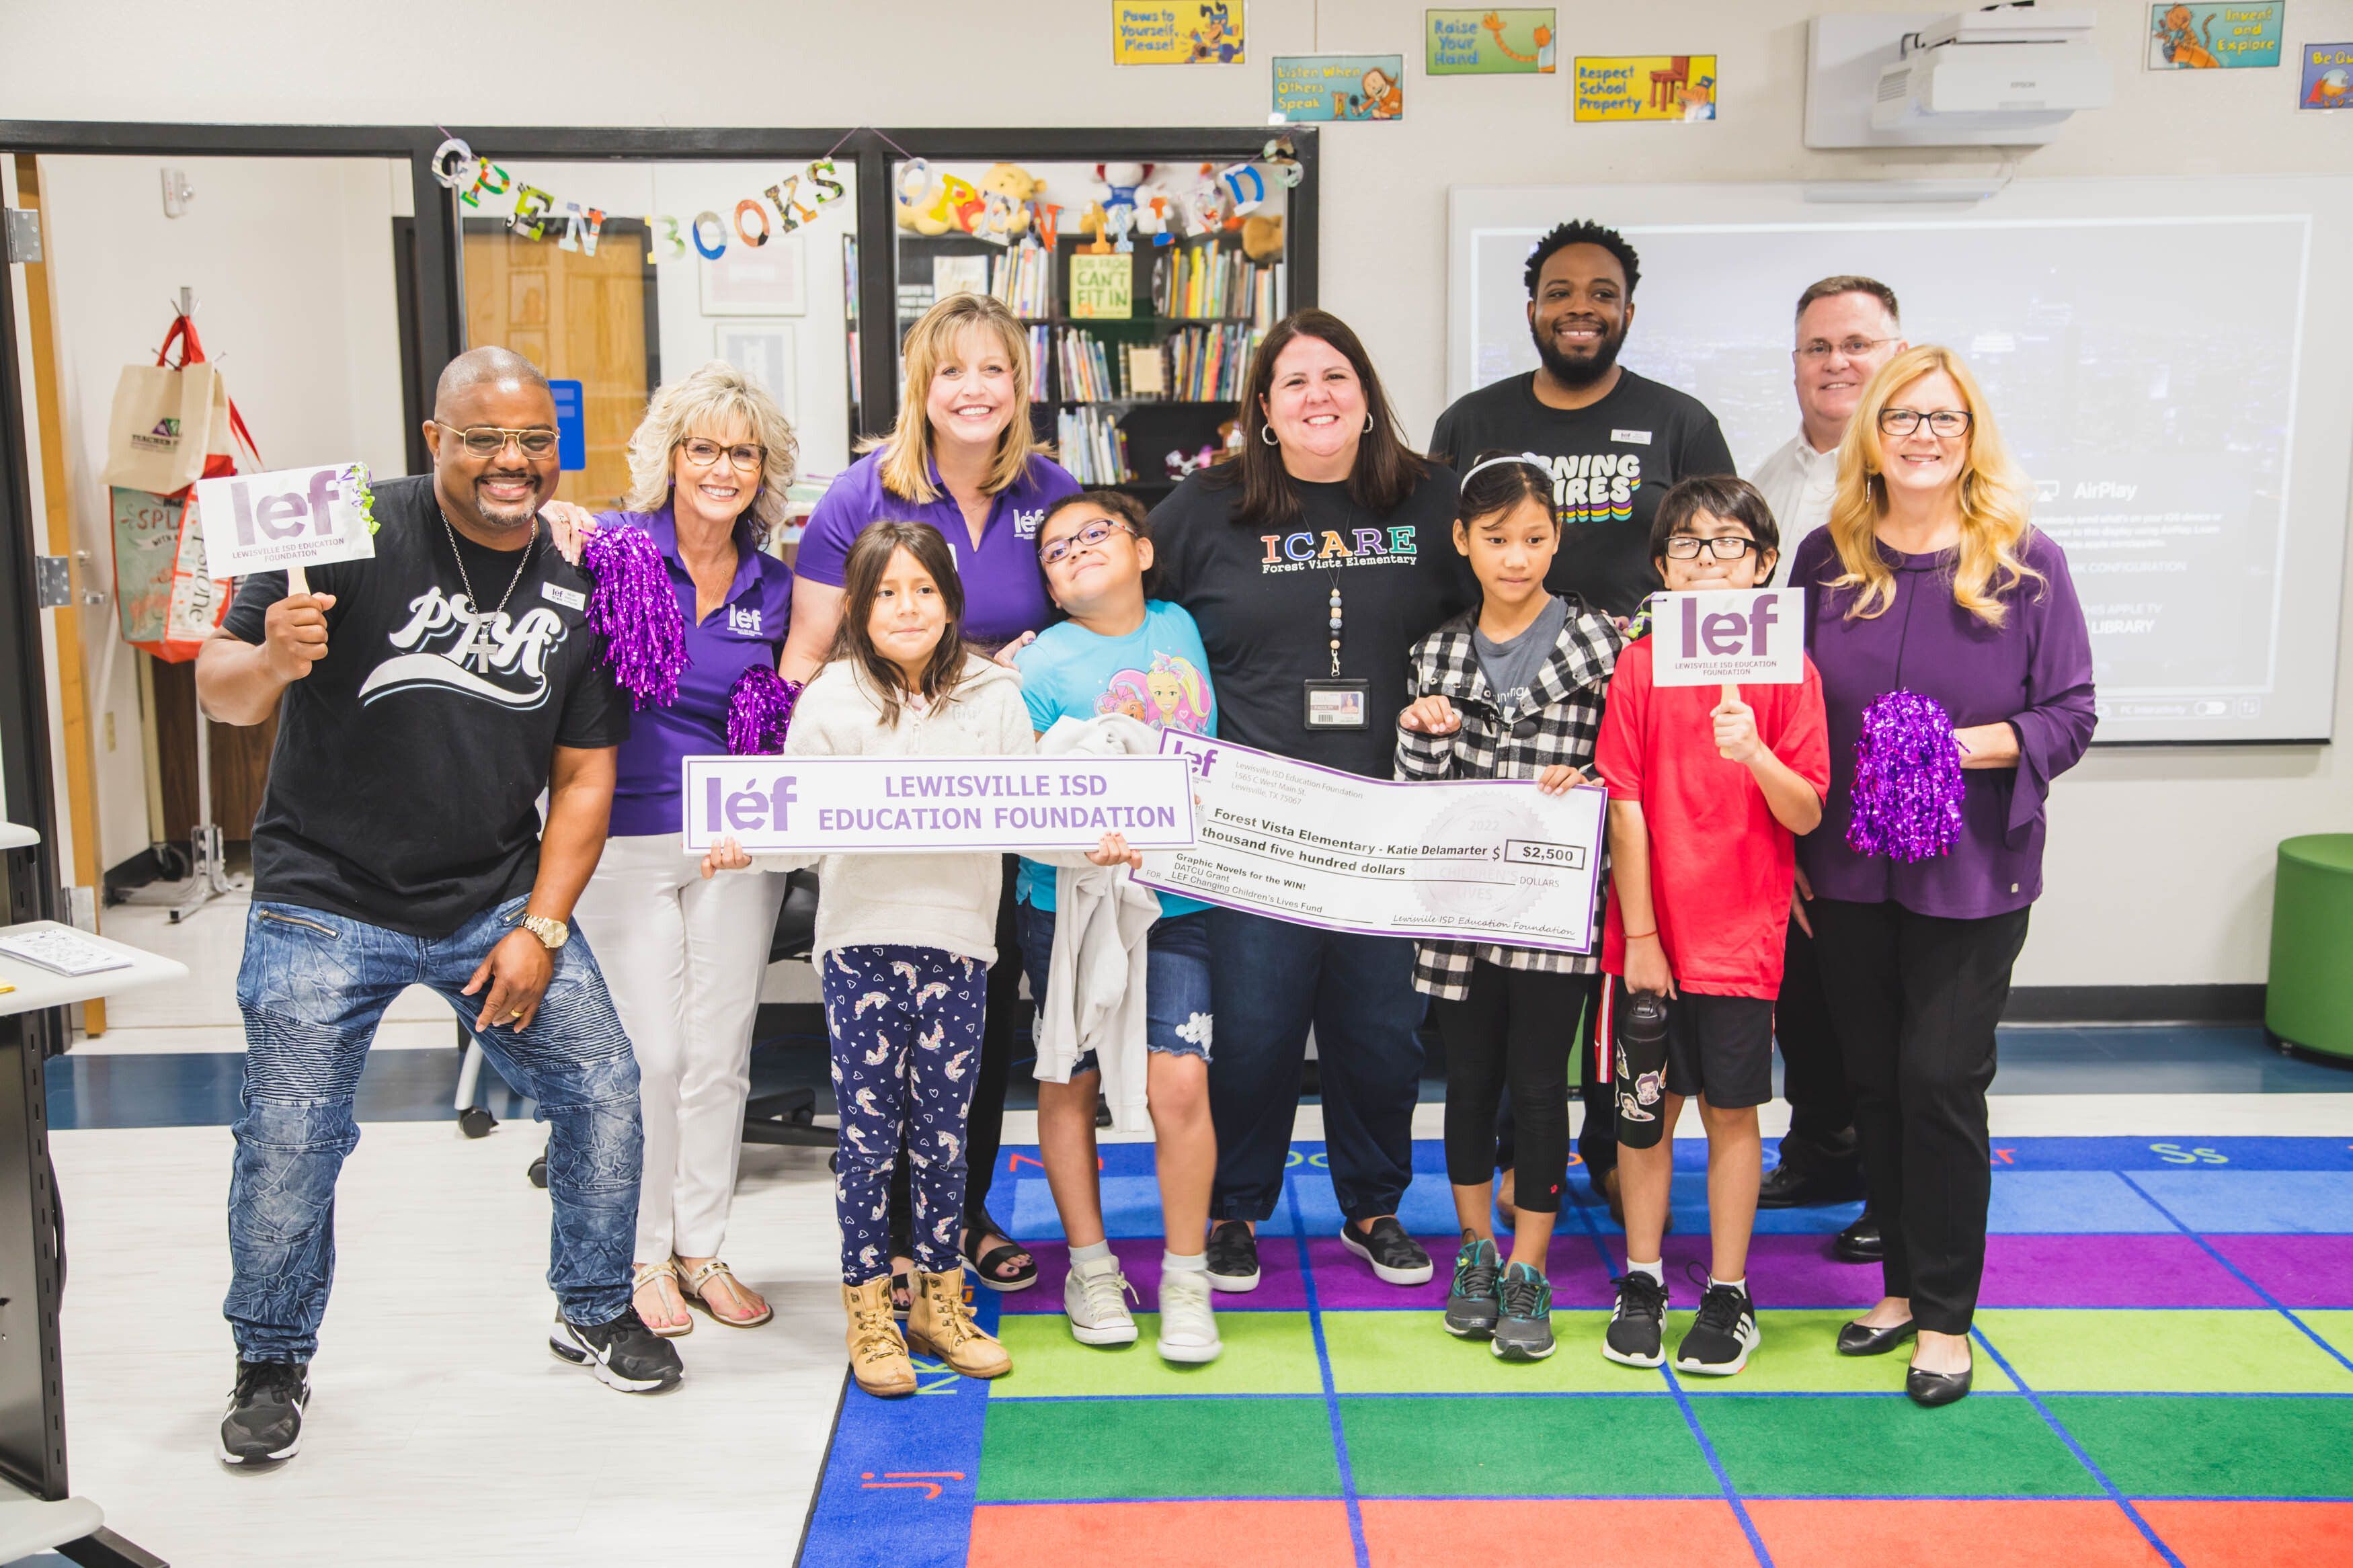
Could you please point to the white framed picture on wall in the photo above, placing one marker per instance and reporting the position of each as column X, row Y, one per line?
column 770, row 279
column 763, row 351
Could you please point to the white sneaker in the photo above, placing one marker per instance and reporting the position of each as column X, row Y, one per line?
column 1189, row 1326
column 1096, row 1294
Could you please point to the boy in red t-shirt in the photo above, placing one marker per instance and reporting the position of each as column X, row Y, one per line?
column 1708, row 787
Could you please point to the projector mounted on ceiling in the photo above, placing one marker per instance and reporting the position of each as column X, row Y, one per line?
column 2007, row 75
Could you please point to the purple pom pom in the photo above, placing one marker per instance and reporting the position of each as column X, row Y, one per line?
column 635, row 611
column 1907, row 780
column 759, row 711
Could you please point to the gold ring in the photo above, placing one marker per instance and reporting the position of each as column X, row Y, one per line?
column 513, row 1015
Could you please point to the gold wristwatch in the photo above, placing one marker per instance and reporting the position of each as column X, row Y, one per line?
column 551, row 933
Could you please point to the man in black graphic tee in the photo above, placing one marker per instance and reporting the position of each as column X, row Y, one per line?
column 1614, row 440
column 429, row 696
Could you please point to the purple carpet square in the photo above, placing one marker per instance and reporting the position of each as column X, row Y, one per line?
column 2109, row 1271
column 2301, row 1270
column 1279, row 1289
column 1784, row 1271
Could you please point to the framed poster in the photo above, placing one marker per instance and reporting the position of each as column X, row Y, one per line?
column 763, row 351
column 769, row 280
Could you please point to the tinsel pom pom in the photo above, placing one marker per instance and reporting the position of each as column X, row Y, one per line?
column 1907, row 780
column 759, row 710
column 635, row 611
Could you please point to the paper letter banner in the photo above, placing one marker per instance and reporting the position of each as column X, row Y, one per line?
column 1645, row 87
column 295, row 517
column 1177, row 32
column 1754, row 635
column 2327, row 77
column 1480, row 42
column 1339, row 86
column 2213, row 38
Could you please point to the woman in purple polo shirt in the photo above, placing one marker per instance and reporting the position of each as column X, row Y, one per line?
column 683, row 957
column 962, row 459
column 1929, row 579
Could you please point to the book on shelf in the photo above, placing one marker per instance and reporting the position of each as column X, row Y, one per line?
column 1041, row 349
column 1210, row 281
column 1207, row 364
column 1090, row 443
column 1022, row 278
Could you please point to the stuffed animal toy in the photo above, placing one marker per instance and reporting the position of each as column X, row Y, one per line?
column 1263, row 236
column 1159, row 215
column 1095, row 223
column 1212, row 204
column 1015, row 188
column 947, row 205
column 1179, row 464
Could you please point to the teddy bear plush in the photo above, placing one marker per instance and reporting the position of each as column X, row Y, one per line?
column 1017, row 188
column 1263, row 236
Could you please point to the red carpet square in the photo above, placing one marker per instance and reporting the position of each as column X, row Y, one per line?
column 1860, row 1533
column 1663, row 1533
column 1165, row 1535
column 2252, row 1534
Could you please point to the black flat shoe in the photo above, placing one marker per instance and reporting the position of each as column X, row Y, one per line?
column 1930, row 1389
column 1862, row 1339
column 1795, row 1186
column 1860, row 1242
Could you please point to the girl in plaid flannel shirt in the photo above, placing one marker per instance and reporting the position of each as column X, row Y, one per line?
column 1512, row 690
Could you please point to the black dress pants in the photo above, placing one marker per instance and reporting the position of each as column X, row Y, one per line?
column 1813, row 1074
column 1914, row 999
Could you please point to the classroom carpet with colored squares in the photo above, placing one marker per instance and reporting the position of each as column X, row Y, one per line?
column 2162, row 1377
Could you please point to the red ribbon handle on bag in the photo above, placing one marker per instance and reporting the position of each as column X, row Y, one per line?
column 192, row 352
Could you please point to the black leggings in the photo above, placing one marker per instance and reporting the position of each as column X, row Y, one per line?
column 1518, row 1027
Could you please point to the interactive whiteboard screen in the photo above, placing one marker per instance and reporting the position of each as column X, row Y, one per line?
column 2171, row 360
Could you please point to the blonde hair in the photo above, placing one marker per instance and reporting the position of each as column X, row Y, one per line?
column 907, row 462
column 1994, row 496
column 717, row 393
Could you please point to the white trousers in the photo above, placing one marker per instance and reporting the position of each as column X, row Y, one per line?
column 683, row 959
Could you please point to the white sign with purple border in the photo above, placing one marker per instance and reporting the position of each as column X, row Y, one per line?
column 1489, row 860
column 870, row 806
column 1729, row 635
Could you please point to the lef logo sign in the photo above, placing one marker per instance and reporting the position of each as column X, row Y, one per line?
column 1740, row 634
column 295, row 517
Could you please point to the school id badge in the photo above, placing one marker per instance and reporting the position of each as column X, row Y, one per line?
column 1336, row 704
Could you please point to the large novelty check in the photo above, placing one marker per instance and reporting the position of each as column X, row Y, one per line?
column 880, row 804
column 1480, row 860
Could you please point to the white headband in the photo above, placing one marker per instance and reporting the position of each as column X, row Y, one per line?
column 1530, row 459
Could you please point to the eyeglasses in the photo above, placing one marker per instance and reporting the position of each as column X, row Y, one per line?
column 1723, row 546
column 702, row 454
column 1091, row 537
column 1945, row 423
column 489, row 440
column 1821, row 349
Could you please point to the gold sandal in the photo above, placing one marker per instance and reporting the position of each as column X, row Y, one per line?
column 647, row 1273
column 690, row 1284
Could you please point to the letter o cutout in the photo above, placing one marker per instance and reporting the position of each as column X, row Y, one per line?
column 709, row 252
column 747, row 204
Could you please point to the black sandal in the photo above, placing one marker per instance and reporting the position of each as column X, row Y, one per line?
column 986, row 1266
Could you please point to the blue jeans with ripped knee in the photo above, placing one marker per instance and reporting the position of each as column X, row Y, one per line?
column 312, row 988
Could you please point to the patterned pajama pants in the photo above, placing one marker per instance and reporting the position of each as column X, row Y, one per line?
column 905, row 1023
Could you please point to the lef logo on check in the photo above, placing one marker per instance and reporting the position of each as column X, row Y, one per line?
column 747, row 810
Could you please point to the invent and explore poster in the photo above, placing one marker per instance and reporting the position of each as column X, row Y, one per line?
column 2214, row 37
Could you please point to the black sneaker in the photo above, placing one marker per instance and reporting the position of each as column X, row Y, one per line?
column 1396, row 1258
column 1470, row 1308
column 1634, row 1336
column 1524, row 1331
column 264, row 1424
column 1720, row 1338
column 1233, row 1257
column 622, row 1353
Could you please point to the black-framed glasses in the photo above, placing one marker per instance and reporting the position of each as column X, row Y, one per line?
column 489, row 440
column 1821, row 349
column 743, row 455
column 1944, row 422
column 1723, row 546
column 1091, row 537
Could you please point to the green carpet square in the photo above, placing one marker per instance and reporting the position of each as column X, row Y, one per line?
column 1040, row 1450
column 1412, row 1353
column 1266, row 1352
column 1792, row 1446
column 1586, row 1446
column 2111, row 1350
column 1798, row 1353
column 2254, row 1447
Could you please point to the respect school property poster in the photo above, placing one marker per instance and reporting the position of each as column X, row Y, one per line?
column 1177, row 32
column 1645, row 87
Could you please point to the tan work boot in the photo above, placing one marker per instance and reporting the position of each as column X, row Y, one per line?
column 941, row 1325
column 878, row 1356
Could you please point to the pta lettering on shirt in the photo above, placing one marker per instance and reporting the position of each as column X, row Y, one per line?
column 482, row 649
column 743, row 620
column 1358, row 547
column 1729, row 635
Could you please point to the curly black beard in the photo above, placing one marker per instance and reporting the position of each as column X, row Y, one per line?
column 1578, row 373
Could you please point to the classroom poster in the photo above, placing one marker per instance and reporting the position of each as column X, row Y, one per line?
column 1480, row 42
column 1177, row 32
column 1339, row 86
column 2212, row 37
column 1645, row 87
column 2327, row 77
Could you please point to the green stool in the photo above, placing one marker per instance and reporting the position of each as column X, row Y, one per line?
column 2309, row 1000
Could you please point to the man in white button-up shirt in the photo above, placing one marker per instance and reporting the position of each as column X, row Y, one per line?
column 1847, row 328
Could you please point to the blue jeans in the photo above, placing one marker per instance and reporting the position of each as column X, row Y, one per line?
column 1272, row 980
column 313, row 987
column 1177, row 1008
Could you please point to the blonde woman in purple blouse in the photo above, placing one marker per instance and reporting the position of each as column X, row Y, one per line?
column 1929, row 579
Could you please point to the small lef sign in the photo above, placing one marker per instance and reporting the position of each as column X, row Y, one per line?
column 1730, row 634
column 287, row 520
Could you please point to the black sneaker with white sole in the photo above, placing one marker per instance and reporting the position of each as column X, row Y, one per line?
column 1637, row 1324
column 1233, row 1257
column 622, row 1353
column 1397, row 1258
column 1721, row 1335
column 264, row 1424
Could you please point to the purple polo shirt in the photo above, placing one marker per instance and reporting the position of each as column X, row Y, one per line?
column 2033, row 672
column 748, row 629
column 1004, row 586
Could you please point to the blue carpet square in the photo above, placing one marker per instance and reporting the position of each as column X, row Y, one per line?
column 2306, row 1203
